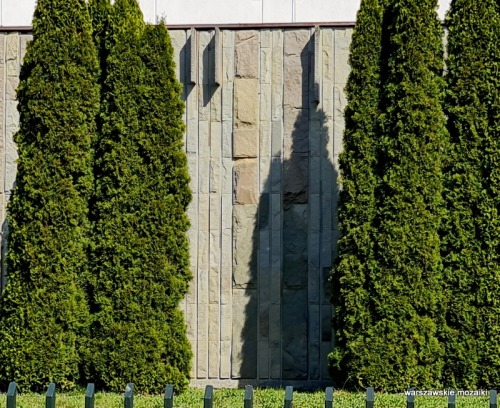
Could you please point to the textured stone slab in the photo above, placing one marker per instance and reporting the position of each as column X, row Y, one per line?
column 246, row 102
column 202, row 343
column 245, row 143
column 265, row 140
column 314, row 282
column 341, row 56
column 265, row 102
column 265, row 175
column 294, row 334
column 11, row 87
column 11, row 157
column 227, row 139
column 295, row 246
column 244, row 346
column 276, row 174
column 204, row 175
column 247, row 51
column 12, row 47
column 263, row 363
column 245, row 187
column 296, row 131
column 314, row 346
column 295, row 179
column 245, row 246
column 215, row 176
column 265, row 65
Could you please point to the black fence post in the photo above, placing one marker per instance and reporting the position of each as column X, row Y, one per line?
column 168, row 402
column 410, row 398
column 289, row 397
column 50, row 398
column 329, row 397
column 12, row 395
column 90, row 396
column 493, row 399
column 129, row 396
column 248, row 400
column 452, row 399
column 370, row 397
column 208, row 400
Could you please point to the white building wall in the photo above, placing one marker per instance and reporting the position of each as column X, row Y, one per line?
column 19, row 12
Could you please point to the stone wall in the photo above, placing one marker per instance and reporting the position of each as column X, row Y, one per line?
column 264, row 115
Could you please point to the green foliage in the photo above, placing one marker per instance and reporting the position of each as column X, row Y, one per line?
column 43, row 311
column 355, row 260
column 471, row 240
column 141, row 259
column 392, row 338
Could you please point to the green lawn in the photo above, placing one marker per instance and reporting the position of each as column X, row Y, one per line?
column 264, row 398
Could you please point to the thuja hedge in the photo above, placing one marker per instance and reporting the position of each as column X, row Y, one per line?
column 471, row 239
column 43, row 311
column 403, row 310
column 355, row 262
column 140, row 254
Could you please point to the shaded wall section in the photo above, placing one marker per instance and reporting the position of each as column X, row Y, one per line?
column 264, row 124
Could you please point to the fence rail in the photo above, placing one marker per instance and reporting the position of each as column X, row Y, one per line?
column 208, row 399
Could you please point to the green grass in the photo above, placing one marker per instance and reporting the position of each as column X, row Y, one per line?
column 264, row 398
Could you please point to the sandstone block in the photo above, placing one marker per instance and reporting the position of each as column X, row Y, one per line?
column 12, row 47
column 265, row 140
column 294, row 334
column 247, row 50
column 246, row 102
column 295, row 245
column 245, row 143
column 227, row 139
column 296, row 179
column 245, row 246
column 245, row 188
column 296, row 131
column 244, row 347
column 295, row 41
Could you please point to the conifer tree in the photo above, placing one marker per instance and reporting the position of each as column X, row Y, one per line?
column 43, row 311
column 471, row 233
column 355, row 259
column 406, row 292
column 141, row 259
column 390, row 298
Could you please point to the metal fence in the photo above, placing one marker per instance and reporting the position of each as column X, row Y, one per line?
column 208, row 399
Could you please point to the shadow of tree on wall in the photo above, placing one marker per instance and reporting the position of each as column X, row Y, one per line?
column 284, row 325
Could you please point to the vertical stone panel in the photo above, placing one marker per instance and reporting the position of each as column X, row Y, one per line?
column 191, row 114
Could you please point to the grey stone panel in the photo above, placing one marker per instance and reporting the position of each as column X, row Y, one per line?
column 294, row 334
column 295, row 245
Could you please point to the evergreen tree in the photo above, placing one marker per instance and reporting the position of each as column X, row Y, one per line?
column 390, row 298
column 43, row 311
column 406, row 292
column 355, row 259
column 471, row 233
column 141, row 259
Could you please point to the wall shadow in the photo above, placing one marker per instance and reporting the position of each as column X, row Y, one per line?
column 288, row 314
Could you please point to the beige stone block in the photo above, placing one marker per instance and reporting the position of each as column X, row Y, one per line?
column 227, row 102
column 265, row 139
column 265, row 102
column 227, row 176
column 193, row 171
column 225, row 363
column 296, row 40
column 204, row 175
column 245, row 143
column 213, row 359
column 228, row 38
column 192, row 135
column 214, row 326
column 3, row 37
column 277, row 101
column 244, row 346
column 191, row 332
column 266, row 56
column 266, row 39
column 203, row 212
column 202, row 349
column 215, row 213
column 12, row 47
column 193, row 285
column 178, row 38
column 11, row 114
column 11, row 157
column 13, row 68
column 245, row 187
column 216, row 106
column 227, row 139
column 265, row 175
column 246, row 50
column 227, row 212
column 246, row 102
column 215, row 176
column 244, row 246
